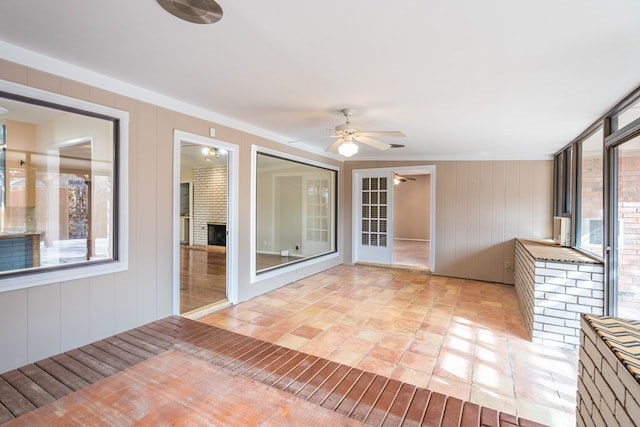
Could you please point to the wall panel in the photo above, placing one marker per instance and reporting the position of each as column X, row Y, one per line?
column 481, row 207
column 52, row 318
column 44, row 336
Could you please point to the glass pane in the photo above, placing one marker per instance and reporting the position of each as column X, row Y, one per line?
column 365, row 239
column 628, row 230
column 591, row 195
column 57, row 174
column 383, row 183
column 295, row 211
column 629, row 115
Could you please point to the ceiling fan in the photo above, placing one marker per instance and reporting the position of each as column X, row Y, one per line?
column 397, row 179
column 348, row 135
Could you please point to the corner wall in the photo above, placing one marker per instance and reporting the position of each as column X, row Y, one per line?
column 481, row 207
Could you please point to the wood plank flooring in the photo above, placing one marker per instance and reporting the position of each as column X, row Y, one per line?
column 357, row 394
column 203, row 276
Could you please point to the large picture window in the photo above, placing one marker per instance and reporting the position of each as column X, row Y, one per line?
column 295, row 211
column 59, row 206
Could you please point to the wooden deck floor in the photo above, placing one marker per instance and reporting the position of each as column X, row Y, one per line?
column 360, row 395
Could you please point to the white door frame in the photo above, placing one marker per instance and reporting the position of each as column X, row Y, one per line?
column 232, row 212
column 357, row 174
column 377, row 254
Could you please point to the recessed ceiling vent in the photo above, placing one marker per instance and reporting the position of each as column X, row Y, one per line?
column 196, row 11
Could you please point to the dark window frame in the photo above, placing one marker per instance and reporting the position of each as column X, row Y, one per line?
column 118, row 261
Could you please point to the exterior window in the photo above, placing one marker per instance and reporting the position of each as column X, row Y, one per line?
column 590, row 211
column 59, row 180
column 627, row 229
column 563, row 187
column 627, row 116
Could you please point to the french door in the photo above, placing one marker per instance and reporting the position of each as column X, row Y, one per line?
column 373, row 217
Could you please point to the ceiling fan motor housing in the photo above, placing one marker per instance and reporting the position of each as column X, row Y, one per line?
column 346, row 128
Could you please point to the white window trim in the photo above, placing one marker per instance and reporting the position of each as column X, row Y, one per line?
column 264, row 276
column 33, row 277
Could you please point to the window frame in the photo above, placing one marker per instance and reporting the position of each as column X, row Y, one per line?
column 577, row 210
column 268, row 274
column 612, row 138
column 36, row 277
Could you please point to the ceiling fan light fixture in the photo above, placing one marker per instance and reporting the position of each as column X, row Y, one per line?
column 348, row 148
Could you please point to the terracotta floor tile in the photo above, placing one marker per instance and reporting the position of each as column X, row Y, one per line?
column 376, row 366
column 292, row 341
column 417, row 361
column 391, row 355
column 411, row 376
column 494, row 400
column 368, row 335
column 454, row 365
column 455, row 334
column 306, row 331
column 317, row 349
column 390, row 340
column 489, row 378
column 427, row 344
column 346, row 356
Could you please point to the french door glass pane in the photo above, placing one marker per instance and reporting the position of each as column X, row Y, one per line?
column 628, row 229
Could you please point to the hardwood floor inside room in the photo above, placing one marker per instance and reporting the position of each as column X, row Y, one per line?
column 203, row 275
column 411, row 253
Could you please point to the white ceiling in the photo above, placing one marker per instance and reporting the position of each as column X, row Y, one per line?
column 464, row 79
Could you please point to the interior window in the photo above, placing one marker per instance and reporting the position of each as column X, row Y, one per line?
column 58, row 186
column 295, row 211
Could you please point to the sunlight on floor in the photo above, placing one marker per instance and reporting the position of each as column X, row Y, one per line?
column 459, row 337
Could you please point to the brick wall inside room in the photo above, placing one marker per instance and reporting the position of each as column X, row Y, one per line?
column 209, row 200
column 607, row 392
column 553, row 295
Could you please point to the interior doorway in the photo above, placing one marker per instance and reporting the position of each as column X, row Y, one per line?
column 203, row 217
column 377, row 234
column 411, row 225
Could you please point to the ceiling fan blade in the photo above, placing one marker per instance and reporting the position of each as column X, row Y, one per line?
column 374, row 143
column 388, row 133
column 335, row 145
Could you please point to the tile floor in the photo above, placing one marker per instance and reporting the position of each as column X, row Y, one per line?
column 460, row 337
